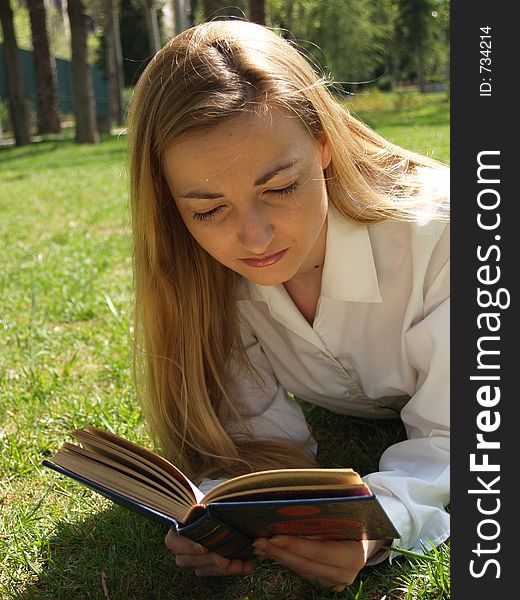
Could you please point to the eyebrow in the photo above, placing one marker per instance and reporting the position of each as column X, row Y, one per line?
column 275, row 170
column 195, row 194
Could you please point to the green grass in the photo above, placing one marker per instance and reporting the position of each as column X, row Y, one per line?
column 65, row 318
column 418, row 122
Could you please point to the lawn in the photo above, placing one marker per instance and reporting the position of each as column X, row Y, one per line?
column 65, row 324
column 416, row 121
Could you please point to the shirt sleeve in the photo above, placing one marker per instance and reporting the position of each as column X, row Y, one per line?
column 413, row 483
column 268, row 412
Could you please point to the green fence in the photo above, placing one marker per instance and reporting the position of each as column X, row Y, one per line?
column 64, row 77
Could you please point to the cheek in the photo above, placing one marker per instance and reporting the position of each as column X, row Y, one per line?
column 312, row 209
column 214, row 242
column 197, row 229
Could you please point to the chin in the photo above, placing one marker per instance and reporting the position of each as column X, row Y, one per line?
column 266, row 278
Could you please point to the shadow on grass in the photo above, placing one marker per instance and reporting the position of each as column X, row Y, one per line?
column 345, row 441
column 118, row 555
column 114, row 555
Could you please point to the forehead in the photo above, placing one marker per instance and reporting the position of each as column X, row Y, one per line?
column 248, row 142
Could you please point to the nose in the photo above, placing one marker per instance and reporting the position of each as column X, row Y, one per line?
column 255, row 232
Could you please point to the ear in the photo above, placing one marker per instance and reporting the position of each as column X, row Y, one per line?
column 324, row 149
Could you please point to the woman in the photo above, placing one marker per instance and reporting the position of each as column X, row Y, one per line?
column 280, row 245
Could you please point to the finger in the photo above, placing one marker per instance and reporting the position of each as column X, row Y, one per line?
column 332, row 552
column 190, row 554
column 182, row 545
column 197, row 561
column 213, row 564
column 334, row 586
column 235, row 567
column 324, row 574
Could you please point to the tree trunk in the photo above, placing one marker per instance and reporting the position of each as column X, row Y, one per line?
column 45, row 68
column 152, row 26
column 289, row 9
column 219, row 9
column 192, row 18
column 18, row 108
column 179, row 16
column 420, row 79
column 114, row 62
column 257, row 11
column 82, row 86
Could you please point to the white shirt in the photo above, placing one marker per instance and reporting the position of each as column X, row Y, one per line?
column 379, row 344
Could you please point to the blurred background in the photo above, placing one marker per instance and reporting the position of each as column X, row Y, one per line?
column 73, row 64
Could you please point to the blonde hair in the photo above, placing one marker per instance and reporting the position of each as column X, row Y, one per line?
column 186, row 322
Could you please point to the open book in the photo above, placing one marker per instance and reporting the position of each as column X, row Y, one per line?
column 316, row 503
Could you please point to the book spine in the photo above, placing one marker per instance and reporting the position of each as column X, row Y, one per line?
column 218, row 537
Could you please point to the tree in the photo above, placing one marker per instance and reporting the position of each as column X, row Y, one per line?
column 152, row 26
column 178, row 12
column 114, row 59
column 441, row 45
column 48, row 116
column 134, row 40
column 192, row 16
column 216, row 9
column 82, row 86
column 341, row 39
column 257, row 11
column 18, row 107
column 414, row 24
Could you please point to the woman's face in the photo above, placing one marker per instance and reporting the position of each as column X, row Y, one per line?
column 251, row 192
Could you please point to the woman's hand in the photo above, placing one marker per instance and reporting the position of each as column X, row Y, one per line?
column 328, row 563
column 190, row 554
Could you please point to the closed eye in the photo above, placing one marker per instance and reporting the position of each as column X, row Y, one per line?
column 206, row 216
column 285, row 190
column 209, row 214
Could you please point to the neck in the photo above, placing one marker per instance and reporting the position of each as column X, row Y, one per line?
column 305, row 287
column 305, row 294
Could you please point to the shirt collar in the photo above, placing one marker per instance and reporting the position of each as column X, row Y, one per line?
column 349, row 272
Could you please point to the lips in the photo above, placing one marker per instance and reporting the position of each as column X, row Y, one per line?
column 265, row 261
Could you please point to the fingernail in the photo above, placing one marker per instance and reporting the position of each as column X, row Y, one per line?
column 260, row 545
column 221, row 562
column 259, row 553
column 281, row 542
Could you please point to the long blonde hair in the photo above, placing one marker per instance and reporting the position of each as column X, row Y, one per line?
column 186, row 322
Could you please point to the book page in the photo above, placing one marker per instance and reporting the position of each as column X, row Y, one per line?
column 128, row 487
column 307, row 492
column 119, row 457
column 285, row 478
column 125, row 468
column 145, row 454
